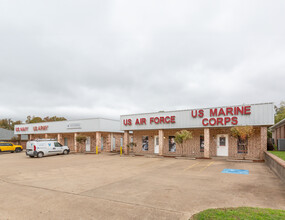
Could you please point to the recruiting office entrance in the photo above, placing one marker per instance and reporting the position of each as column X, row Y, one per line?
column 154, row 133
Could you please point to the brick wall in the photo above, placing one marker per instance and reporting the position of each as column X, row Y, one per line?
column 81, row 147
column 70, row 140
column 278, row 133
column 282, row 128
column 276, row 164
column 192, row 147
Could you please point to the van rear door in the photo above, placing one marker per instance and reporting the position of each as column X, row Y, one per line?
column 30, row 146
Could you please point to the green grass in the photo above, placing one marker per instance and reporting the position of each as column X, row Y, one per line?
column 241, row 213
column 280, row 154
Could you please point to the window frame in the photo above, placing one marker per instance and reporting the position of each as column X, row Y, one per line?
column 244, row 144
column 57, row 143
column 145, row 137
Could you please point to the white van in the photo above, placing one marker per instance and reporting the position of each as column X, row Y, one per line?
column 45, row 147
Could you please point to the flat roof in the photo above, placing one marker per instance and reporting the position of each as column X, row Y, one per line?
column 280, row 123
column 225, row 106
column 70, row 126
column 259, row 114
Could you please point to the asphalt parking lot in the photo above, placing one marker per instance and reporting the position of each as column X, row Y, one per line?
column 79, row 186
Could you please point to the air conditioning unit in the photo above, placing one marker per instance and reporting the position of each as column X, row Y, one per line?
column 281, row 144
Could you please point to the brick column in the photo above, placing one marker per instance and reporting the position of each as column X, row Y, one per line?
column 108, row 143
column 126, row 142
column 19, row 139
column 30, row 136
column 206, row 142
column 278, row 134
column 46, row 136
column 282, row 132
column 263, row 141
column 98, row 141
column 111, row 141
column 161, row 142
column 59, row 138
column 75, row 142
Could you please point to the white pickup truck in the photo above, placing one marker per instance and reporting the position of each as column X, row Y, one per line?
column 45, row 147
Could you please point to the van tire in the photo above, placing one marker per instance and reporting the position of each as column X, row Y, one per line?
column 31, row 156
column 65, row 152
column 40, row 154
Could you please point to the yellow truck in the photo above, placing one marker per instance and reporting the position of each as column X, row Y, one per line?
column 10, row 147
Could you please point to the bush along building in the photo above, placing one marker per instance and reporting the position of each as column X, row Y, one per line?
column 79, row 135
column 236, row 132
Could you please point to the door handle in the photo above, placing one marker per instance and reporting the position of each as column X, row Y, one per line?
column 54, row 148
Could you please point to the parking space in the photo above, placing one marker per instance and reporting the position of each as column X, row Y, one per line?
column 103, row 186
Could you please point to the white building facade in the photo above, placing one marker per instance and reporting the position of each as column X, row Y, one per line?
column 102, row 133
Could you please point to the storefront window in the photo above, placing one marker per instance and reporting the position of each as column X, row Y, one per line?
column 65, row 142
column 102, row 143
column 201, row 143
column 172, row 144
column 222, row 141
column 242, row 146
column 156, row 140
column 145, row 143
column 114, row 143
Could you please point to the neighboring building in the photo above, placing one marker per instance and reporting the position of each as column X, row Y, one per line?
column 101, row 132
column 278, row 131
column 9, row 136
column 154, row 133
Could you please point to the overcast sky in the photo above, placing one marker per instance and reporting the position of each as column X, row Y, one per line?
column 81, row 59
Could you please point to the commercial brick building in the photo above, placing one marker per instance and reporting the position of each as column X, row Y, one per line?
column 101, row 132
column 154, row 133
column 278, row 131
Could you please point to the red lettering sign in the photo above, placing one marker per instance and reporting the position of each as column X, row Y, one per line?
column 127, row 122
column 221, row 121
column 40, row 128
column 201, row 113
column 205, row 121
column 162, row 120
column 247, row 110
column 22, row 129
column 213, row 112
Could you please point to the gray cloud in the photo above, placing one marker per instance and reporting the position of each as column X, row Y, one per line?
column 83, row 59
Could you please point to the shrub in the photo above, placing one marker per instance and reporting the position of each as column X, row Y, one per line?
column 15, row 138
column 242, row 133
column 131, row 145
column 81, row 138
column 181, row 137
